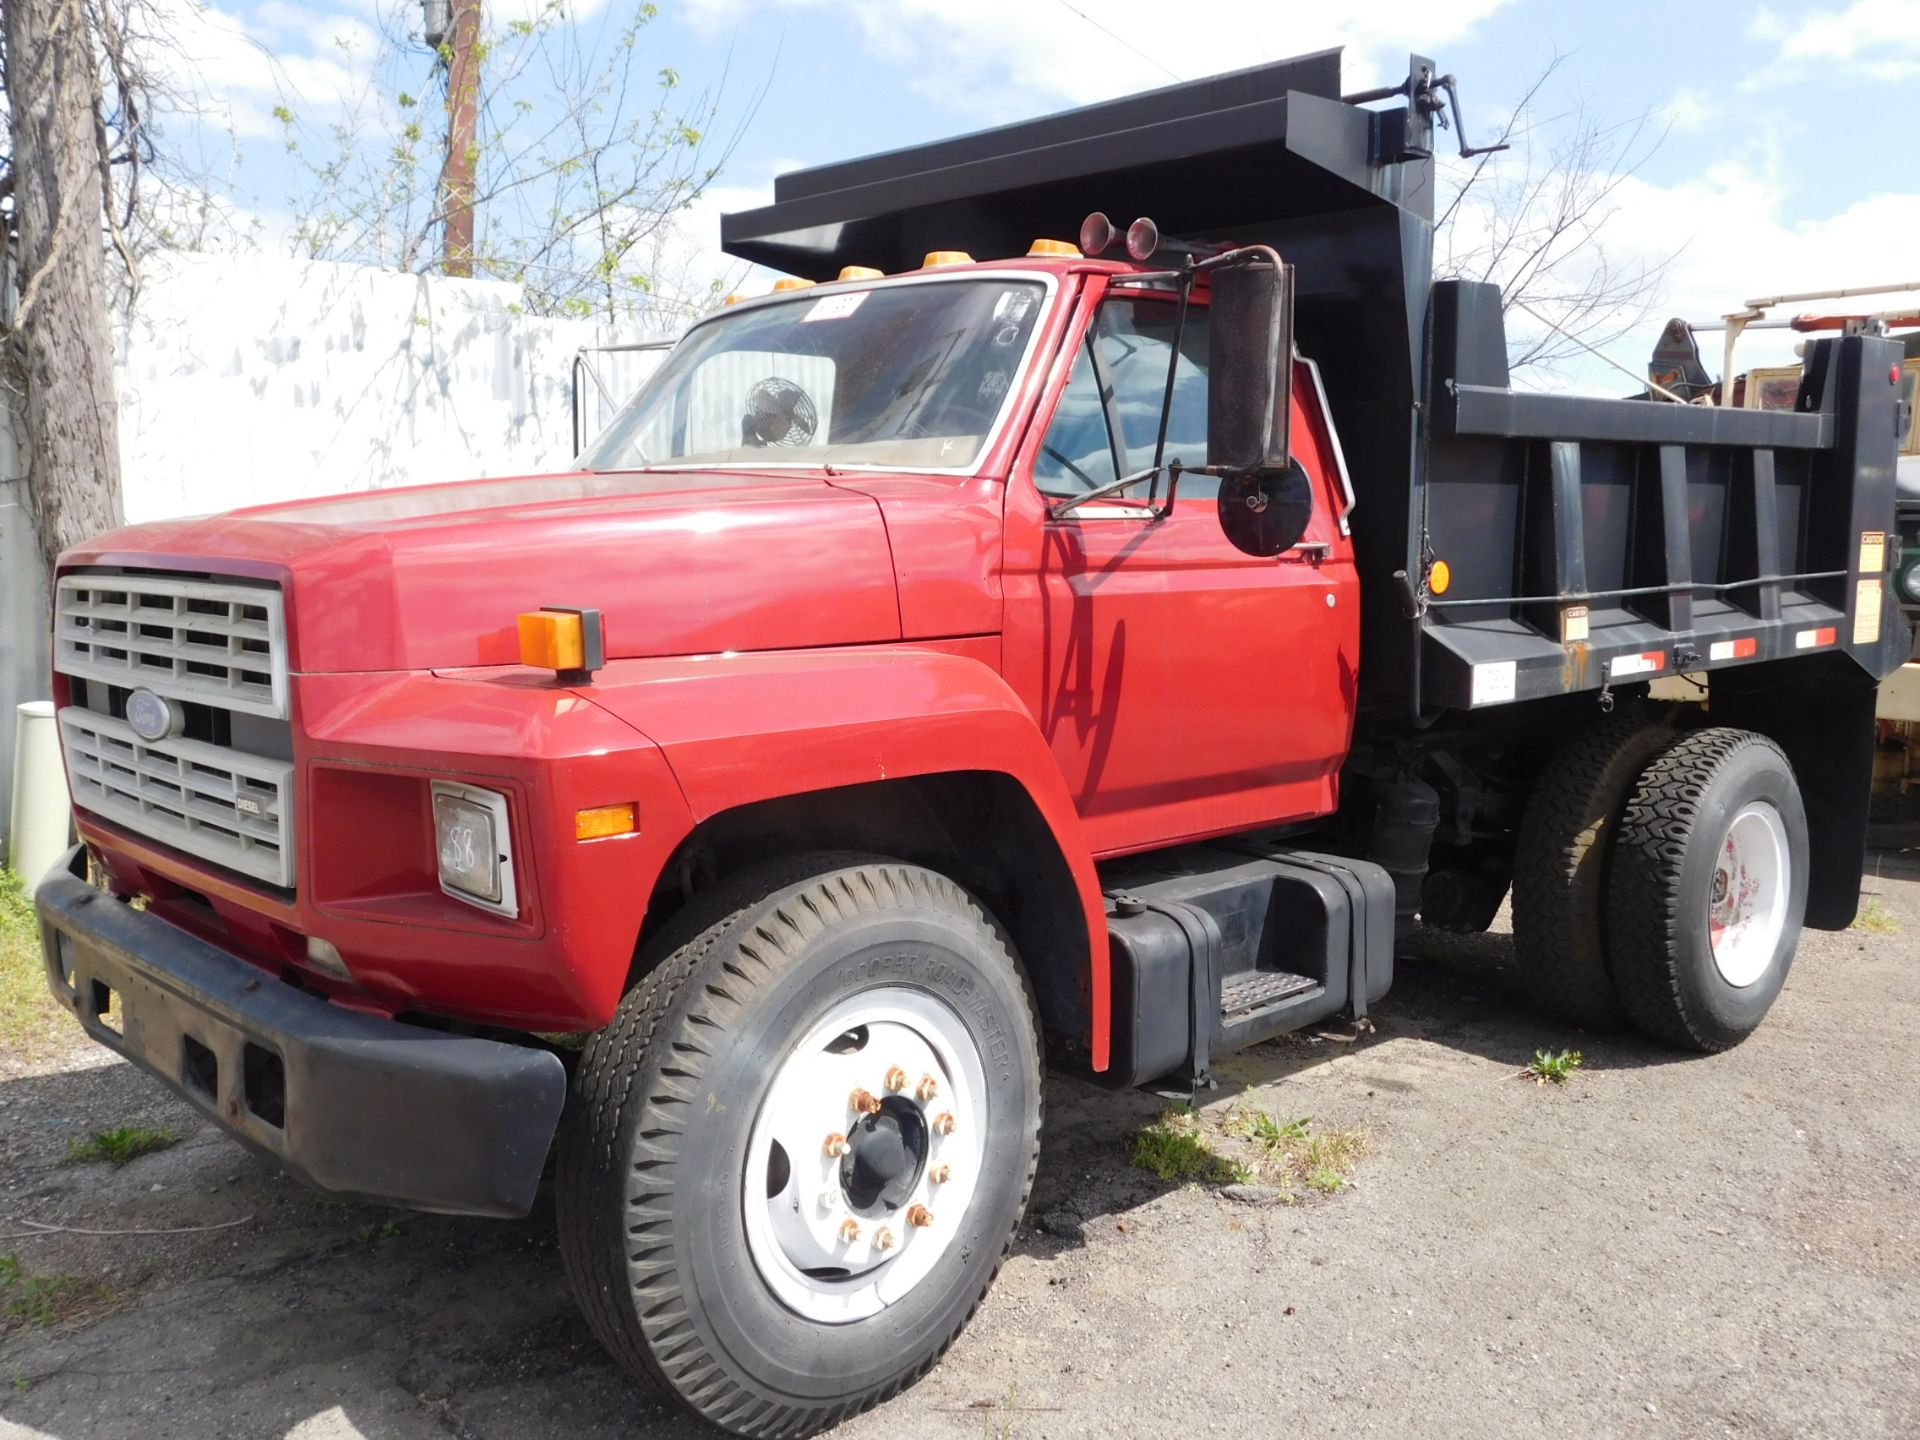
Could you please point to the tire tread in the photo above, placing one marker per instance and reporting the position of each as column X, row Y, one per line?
column 1567, row 835
column 1644, row 917
column 630, row 1292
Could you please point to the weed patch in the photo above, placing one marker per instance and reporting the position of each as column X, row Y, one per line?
column 27, row 1299
column 1295, row 1153
column 121, row 1146
column 1173, row 1148
column 1547, row 1068
column 31, row 1020
column 1875, row 918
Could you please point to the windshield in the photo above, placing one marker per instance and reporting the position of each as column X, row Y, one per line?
column 907, row 376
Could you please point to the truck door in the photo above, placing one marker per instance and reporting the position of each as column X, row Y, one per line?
column 1185, row 688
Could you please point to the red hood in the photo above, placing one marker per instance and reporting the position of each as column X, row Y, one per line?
column 432, row 577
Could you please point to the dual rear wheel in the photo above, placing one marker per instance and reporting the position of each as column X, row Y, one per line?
column 1660, row 881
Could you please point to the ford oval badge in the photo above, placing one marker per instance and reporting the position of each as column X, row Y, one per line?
column 151, row 717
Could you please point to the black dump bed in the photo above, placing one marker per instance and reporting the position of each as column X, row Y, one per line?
column 1591, row 542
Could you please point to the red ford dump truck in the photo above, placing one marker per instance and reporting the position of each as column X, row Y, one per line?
column 1112, row 645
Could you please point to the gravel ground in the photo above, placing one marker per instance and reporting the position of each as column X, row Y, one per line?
column 1664, row 1246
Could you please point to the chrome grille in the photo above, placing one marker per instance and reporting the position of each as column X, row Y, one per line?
column 200, row 640
column 233, row 809
column 220, row 787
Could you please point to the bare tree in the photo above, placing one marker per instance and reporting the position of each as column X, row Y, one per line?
column 64, row 142
column 1534, row 221
column 582, row 156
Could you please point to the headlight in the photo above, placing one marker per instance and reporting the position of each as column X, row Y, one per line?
column 471, row 836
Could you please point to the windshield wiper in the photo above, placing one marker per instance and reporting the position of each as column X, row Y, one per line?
column 1112, row 487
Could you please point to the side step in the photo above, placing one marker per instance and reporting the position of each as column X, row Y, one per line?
column 1254, row 990
column 1214, row 949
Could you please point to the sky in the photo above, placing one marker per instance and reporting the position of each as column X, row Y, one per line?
column 1780, row 149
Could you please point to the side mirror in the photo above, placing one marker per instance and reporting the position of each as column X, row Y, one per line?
column 1266, row 501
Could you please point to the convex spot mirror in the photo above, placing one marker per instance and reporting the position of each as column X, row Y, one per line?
column 1249, row 407
column 1267, row 512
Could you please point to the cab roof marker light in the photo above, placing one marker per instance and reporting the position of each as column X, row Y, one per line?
column 733, row 299
column 791, row 282
column 860, row 272
column 937, row 259
column 1061, row 249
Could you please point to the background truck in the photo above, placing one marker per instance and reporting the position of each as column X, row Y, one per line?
column 997, row 639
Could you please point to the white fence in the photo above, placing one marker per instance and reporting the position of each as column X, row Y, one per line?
column 249, row 379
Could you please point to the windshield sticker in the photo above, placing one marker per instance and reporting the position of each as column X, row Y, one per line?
column 835, row 307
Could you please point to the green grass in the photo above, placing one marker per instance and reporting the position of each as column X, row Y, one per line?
column 1173, row 1148
column 1547, row 1068
column 120, row 1146
column 1876, row 918
column 31, row 1020
column 378, row 1232
column 1293, row 1152
column 40, row 1300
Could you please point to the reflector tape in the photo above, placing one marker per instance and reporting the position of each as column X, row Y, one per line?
column 1493, row 683
column 1733, row 649
column 1814, row 639
column 1647, row 662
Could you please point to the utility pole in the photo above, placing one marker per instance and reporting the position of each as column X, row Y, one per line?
column 453, row 28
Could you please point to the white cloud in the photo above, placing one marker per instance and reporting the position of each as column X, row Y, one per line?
column 235, row 70
column 1728, row 239
column 1877, row 38
column 1002, row 58
column 1689, row 111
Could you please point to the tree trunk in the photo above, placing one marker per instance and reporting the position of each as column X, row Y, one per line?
column 59, row 353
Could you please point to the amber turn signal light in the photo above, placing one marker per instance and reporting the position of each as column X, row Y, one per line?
column 603, row 820
column 566, row 641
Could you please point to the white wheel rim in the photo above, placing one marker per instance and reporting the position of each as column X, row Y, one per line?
column 796, row 1234
column 1747, row 901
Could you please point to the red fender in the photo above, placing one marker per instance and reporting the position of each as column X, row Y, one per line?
column 738, row 729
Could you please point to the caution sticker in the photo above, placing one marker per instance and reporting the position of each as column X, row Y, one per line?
column 835, row 307
column 1866, row 611
column 1873, row 557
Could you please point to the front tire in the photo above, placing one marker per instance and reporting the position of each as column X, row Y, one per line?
column 718, row 1248
column 1707, row 889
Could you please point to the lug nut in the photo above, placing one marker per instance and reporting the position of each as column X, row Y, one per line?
column 944, row 1122
column 863, row 1102
column 849, row 1231
column 883, row 1239
column 939, row 1174
column 926, row 1089
column 836, row 1144
column 896, row 1079
column 830, row 1199
column 919, row 1217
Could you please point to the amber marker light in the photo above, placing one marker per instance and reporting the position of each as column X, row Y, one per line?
column 791, row 282
column 860, row 272
column 938, row 258
column 600, row 821
column 1439, row 577
column 1063, row 249
column 567, row 641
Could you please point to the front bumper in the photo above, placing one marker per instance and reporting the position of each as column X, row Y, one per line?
column 353, row 1104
